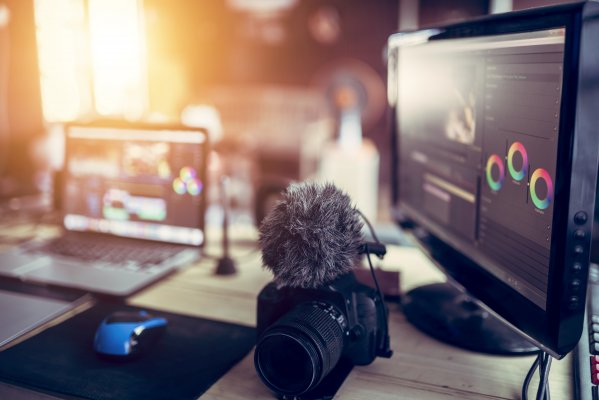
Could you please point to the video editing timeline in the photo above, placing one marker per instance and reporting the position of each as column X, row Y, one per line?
column 479, row 147
column 135, row 183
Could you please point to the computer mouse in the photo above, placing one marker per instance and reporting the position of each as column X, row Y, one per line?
column 125, row 334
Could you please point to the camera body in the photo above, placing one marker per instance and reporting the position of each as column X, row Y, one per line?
column 316, row 328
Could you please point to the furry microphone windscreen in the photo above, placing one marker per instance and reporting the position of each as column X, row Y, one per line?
column 312, row 236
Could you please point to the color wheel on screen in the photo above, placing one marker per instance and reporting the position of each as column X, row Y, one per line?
column 517, row 148
column 541, row 174
column 495, row 163
column 187, row 182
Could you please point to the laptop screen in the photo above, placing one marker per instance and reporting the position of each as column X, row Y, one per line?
column 144, row 183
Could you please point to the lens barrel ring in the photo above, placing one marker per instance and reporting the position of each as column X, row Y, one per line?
column 281, row 383
column 316, row 330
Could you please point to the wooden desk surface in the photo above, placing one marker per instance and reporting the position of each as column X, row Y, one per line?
column 421, row 368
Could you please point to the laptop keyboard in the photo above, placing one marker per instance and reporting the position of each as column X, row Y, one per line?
column 111, row 250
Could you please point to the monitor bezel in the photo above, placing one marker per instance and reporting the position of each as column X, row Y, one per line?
column 558, row 328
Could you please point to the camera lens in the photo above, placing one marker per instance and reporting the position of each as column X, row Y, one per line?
column 301, row 348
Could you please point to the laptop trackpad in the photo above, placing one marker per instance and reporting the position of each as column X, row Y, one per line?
column 72, row 274
column 15, row 264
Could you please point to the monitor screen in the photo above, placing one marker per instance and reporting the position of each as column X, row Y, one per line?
column 487, row 138
column 479, row 124
column 133, row 182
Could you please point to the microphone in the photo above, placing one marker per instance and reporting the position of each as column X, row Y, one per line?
column 312, row 236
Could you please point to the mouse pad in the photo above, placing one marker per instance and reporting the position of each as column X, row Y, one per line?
column 192, row 354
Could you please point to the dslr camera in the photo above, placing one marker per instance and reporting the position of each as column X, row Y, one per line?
column 304, row 333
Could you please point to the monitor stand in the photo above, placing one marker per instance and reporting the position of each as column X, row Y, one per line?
column 451, row 316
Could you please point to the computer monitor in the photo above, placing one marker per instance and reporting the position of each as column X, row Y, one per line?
column 495, row 168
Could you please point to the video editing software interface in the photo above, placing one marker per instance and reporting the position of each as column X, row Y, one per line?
column 479, row 121
column 135, row 183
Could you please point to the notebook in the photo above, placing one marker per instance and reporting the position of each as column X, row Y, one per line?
column 133, row 202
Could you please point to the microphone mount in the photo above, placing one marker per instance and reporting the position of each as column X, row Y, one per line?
column 376, row 248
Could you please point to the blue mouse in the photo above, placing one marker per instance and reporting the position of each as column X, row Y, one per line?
column 124, row 334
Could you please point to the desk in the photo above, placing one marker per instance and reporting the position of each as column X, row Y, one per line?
column 421, row 367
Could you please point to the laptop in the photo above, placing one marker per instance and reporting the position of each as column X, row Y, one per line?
column 133, row 203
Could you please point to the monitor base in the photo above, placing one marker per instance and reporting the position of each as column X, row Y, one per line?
column 443, row 312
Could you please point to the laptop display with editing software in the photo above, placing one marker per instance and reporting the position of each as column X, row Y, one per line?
column 133, row 202
column 135, row 183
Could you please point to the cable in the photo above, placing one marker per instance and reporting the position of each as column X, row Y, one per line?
column 372, row 232
column 543, row 390
column 529, row 375
column 543, row 363
column 387, row 339
column 376, row 282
